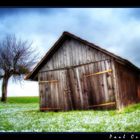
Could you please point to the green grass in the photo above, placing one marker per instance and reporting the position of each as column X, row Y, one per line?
column 23, row 99
column 22, row 114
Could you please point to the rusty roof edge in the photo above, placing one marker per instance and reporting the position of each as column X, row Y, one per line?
column 29, row 76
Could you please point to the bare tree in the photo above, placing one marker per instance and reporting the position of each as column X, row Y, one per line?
column 16, row 59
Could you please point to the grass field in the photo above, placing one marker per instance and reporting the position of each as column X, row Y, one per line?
column 21, row 114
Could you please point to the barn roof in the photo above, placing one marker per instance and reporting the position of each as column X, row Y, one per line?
column 63, row 37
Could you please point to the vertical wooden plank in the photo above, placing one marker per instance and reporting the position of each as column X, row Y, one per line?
column 69, row 55
column 50, row 64
column 61, row 54
column 91, row 52
column 72, row 87
column 49, row 91
column 106, row 93
column 60, row 91
column 87, row 55
column 81, row 54
column 89, row 88
column 94, row 94
column 96, row 55
column 84, row 59
column 80, row 80
column 64, row 91
column 101, row 88
column 84, row 91
column 76, row 88
column 70, row 51
column 86, row 86
column 116, row 82
column 96, row 84
column 46, row 90
column 79, row 92
column 102, row 84
column 109, row 80
column 56, row 90
column 74, row 47
column 68, row 90
column 65, row 55
column 79, row 50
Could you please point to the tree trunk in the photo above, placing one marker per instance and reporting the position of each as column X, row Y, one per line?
column 4, row 89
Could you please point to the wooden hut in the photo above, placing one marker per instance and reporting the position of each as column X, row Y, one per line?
column 78, row 75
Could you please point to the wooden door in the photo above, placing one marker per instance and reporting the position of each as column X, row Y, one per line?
column 54, row 91
column 92, row 85
column 99, row 85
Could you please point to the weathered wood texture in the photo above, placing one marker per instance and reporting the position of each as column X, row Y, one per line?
column 73, row 53
column 54, row 94
column 128, row 83
column 79, row 77
column 139, row 86
column 74, row 90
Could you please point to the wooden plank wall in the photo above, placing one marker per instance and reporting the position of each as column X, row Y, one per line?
column 69, row 65
column 54, row 94
column 128, row 83
column 99, row 87
column 78, row 87
column 139, row 87
column 73, row 53
column 74, row 90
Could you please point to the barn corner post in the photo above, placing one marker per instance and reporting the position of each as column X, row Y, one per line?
column 115, row 81
column 138, row 86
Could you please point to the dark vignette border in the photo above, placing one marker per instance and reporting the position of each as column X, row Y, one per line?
column 70, row 3
column 70, row 135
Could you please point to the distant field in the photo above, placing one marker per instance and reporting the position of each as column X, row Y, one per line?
column 21, row 114
column 29, row 99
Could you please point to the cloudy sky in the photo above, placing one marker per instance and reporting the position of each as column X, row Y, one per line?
column 114, row 29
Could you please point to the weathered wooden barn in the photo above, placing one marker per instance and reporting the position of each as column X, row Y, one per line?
column 78, row 75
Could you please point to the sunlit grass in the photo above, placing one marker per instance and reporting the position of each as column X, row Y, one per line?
column 22, row 116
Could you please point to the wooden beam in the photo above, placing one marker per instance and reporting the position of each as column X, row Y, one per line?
column 97, row 73
column 75, row 66
column 105, row 104
column 49, row 81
